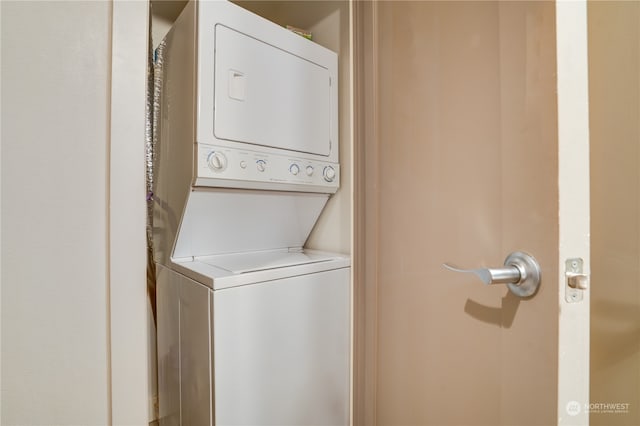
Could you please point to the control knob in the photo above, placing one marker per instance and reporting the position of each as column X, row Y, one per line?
column 261, row 165
column 217, row 161
column 294, row 169
column 329, row 174
column 309, row 170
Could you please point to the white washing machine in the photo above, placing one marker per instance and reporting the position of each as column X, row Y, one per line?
column 254, row 337
column 266, row 345
column 253, row 329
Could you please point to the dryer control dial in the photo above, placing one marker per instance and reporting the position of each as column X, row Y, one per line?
column 222, row 166
column 329, row 174
column 217, row 161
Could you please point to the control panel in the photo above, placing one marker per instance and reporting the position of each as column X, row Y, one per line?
column 230, row 164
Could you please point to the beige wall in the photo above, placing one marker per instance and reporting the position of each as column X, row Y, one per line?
column 463, row 169
column 331, row 28
column 163, row 15
column 55, row 129
column 614, row 91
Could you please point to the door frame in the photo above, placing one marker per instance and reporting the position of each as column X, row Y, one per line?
column 128, row 332
column 364, row 16
column 574, row 207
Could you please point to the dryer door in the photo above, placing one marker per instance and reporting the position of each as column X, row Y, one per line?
column 269, row 97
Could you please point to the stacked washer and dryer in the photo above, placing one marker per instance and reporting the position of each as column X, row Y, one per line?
column 252, row 327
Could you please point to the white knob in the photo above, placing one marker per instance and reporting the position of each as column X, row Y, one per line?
column 217, row 161
column 261, row 165
column 329, row 174
column 309, row 170
column 294, row 169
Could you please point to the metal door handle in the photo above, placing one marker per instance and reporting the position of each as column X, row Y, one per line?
column 521, row 273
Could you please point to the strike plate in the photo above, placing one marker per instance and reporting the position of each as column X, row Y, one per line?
column 575, row 280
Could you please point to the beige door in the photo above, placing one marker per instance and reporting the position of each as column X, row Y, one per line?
column 471, row 143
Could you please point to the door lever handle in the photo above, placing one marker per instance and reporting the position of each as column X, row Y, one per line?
column 510, row 274
column 521, row 273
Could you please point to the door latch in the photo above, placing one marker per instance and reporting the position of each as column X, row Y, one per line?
column 576, row 281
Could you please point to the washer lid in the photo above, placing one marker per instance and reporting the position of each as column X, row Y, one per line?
column 232, row 270
column 242, row 263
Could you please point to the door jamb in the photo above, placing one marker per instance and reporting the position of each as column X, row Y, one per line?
column 365, row 209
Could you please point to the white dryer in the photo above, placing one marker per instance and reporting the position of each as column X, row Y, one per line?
column 253, row 329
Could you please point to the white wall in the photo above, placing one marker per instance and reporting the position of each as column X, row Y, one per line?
column 55, row 111
column 68, row 196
